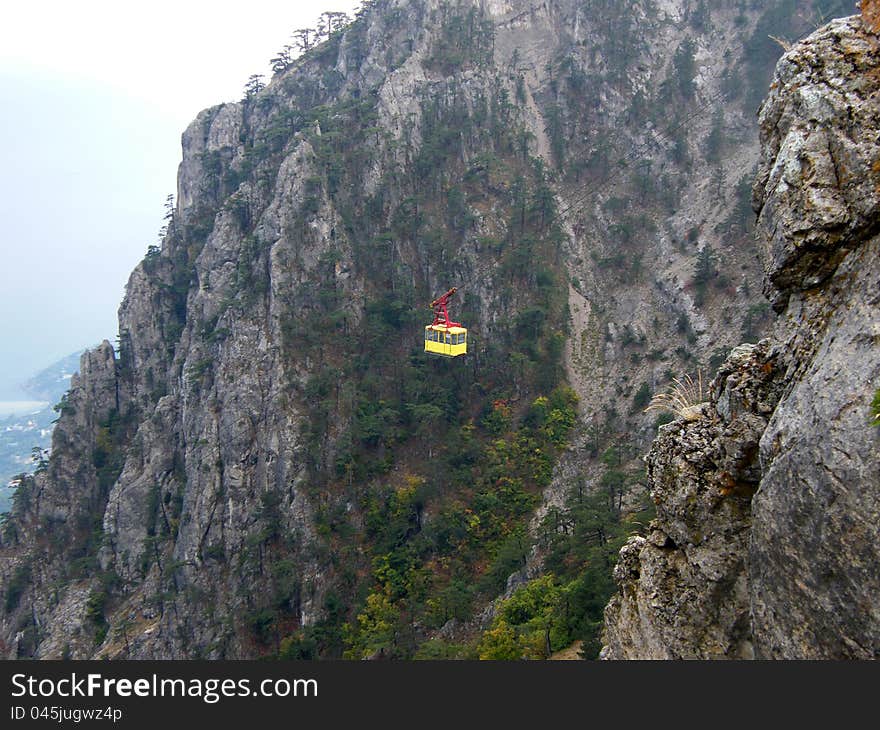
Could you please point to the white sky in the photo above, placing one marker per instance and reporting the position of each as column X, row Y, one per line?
column 93, row 98
column 179, row 55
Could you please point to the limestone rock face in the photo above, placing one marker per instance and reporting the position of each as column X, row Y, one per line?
column 684, row 590
column 57, row 509
column 815, row 540
column 816, row 189
column 182, row 504
column 767, row 538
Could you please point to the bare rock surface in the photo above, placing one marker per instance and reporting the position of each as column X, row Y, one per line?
column 767, row 538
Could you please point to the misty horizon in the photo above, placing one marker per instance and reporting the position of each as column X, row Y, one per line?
column 94, row 130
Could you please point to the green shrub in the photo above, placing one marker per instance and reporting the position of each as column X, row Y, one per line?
column 95, row 605
column 17, row 585
column 642, row 396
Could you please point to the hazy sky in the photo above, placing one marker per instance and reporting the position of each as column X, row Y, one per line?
column 93, row 98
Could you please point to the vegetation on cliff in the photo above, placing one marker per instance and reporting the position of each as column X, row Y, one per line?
column 274, row 466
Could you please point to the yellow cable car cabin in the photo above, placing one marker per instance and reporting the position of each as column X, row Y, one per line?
column 443, row 340
column 443, row 336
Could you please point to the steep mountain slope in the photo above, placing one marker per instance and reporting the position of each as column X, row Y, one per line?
column 765, row 543
column 271, row 466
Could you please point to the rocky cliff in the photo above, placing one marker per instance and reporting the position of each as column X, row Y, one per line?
column 766, row 538
column 268, row 464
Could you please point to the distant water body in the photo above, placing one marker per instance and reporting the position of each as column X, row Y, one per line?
column 20, row 407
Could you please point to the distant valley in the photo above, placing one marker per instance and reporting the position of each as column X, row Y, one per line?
column 27, row 424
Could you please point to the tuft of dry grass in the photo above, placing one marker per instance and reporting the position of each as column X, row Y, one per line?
column 786, row 44
column 682, row 398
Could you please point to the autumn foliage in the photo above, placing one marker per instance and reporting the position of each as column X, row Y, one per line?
column 871, row 14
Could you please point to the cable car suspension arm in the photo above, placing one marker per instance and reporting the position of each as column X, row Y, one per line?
column 441, row 316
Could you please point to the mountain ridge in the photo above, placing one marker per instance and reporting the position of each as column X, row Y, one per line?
column 272, row 467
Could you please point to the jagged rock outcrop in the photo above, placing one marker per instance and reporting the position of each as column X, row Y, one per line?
column 269, row 407
column 766, row 539
column 57, row 510
column 684, row 590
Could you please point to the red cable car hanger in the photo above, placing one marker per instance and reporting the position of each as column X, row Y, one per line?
column 441, row 316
